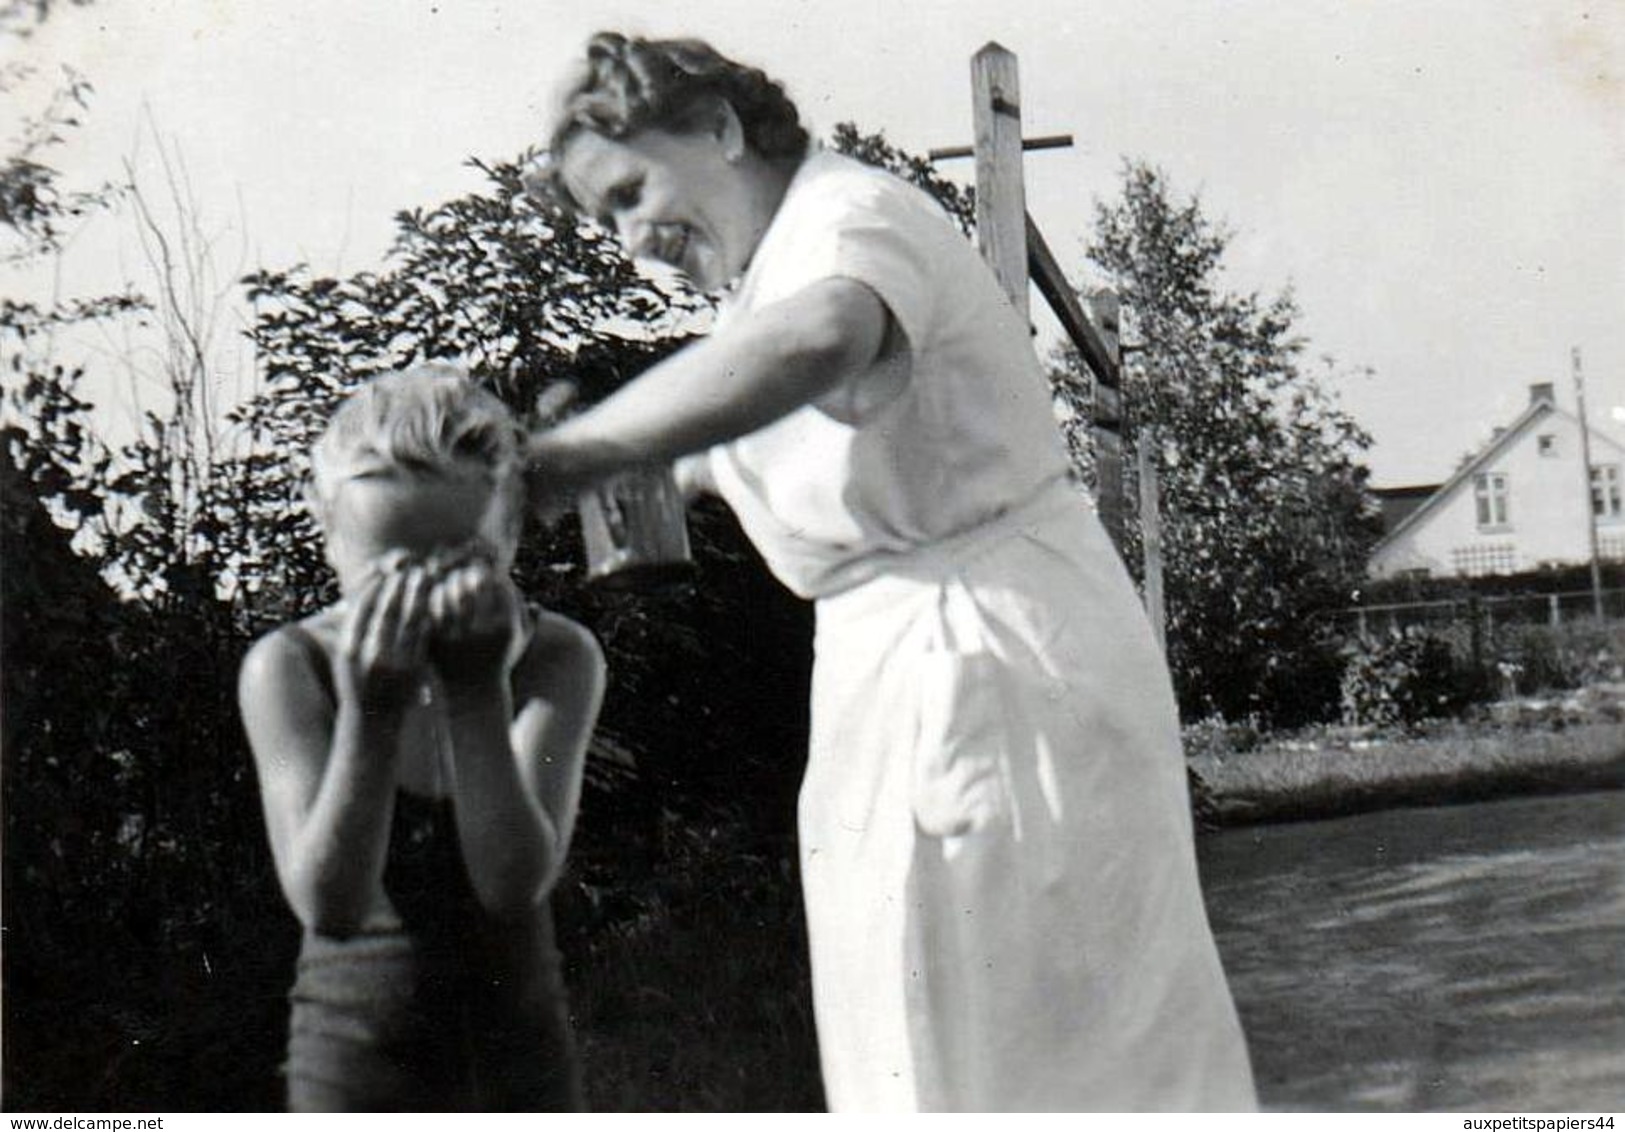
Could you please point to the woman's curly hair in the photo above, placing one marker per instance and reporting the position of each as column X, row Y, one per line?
column 628, row 85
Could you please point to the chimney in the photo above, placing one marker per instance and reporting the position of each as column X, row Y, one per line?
column 1541, row 393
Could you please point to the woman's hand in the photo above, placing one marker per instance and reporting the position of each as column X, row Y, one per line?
column 554, row 475
column 475, row 610
column 384, row 640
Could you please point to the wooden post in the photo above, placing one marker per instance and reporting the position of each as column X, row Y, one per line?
column 1001, row 197
column 1151, row 537
column 1110, row 497
column 1590, row 505
column 1012, row 245
column 1554, row 611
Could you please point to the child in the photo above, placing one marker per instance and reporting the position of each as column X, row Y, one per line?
column 419, row 748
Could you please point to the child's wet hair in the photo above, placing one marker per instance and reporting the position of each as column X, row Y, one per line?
column 430, row 420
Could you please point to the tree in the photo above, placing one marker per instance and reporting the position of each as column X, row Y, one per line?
column 44, row 416
column 1266, row 514
column 128, row 810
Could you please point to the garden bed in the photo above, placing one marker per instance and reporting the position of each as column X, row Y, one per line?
column 1525, row 746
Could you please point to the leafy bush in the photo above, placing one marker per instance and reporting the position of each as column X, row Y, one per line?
column 1217, row 737
column 1543, row 658
column 1400, row 678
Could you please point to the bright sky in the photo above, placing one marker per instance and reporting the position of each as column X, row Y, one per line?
column 1442, row 182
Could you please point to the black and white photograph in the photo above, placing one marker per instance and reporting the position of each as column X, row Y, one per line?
column 761, row 556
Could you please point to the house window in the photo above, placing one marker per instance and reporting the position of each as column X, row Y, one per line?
column 1546, row 445
column 1490, row 492
column 1605, row 500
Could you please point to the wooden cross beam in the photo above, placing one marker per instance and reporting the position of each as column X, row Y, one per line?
column 1047, row 141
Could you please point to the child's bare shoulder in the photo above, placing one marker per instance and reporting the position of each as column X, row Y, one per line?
column 290, row 660
column 553, row 631
column 557, row 642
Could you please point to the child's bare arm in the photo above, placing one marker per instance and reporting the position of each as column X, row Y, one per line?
column 327, row 776
column 560, row 687
column 519, row 739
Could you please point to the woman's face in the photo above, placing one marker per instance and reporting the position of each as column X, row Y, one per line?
column 686, row 200
column 371, row 515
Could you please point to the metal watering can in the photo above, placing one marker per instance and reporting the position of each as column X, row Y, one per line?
column 634, row 525
column 636, row 531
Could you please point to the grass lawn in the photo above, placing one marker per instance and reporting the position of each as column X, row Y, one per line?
column 702, row 1005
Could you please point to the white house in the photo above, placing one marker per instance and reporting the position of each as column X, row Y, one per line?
column 1517, row 505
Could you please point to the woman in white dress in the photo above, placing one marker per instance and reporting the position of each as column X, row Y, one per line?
column 1002, row 899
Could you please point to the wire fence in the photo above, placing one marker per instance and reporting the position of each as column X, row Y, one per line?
column 1487, row 611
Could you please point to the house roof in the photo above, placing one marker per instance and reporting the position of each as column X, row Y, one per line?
column 1398, row 502
column 1408, row 491
column 1503, row 439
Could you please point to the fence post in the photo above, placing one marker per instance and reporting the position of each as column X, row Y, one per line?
column 1475, row 631
column 1554, row 610
column 1001, row 196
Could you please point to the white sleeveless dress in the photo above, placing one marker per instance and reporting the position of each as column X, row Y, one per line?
column 995, row 836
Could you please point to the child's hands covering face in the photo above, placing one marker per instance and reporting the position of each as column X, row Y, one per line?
column 384, row 640
column 475, row 612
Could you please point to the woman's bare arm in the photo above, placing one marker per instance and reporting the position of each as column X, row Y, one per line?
column 775, row 360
